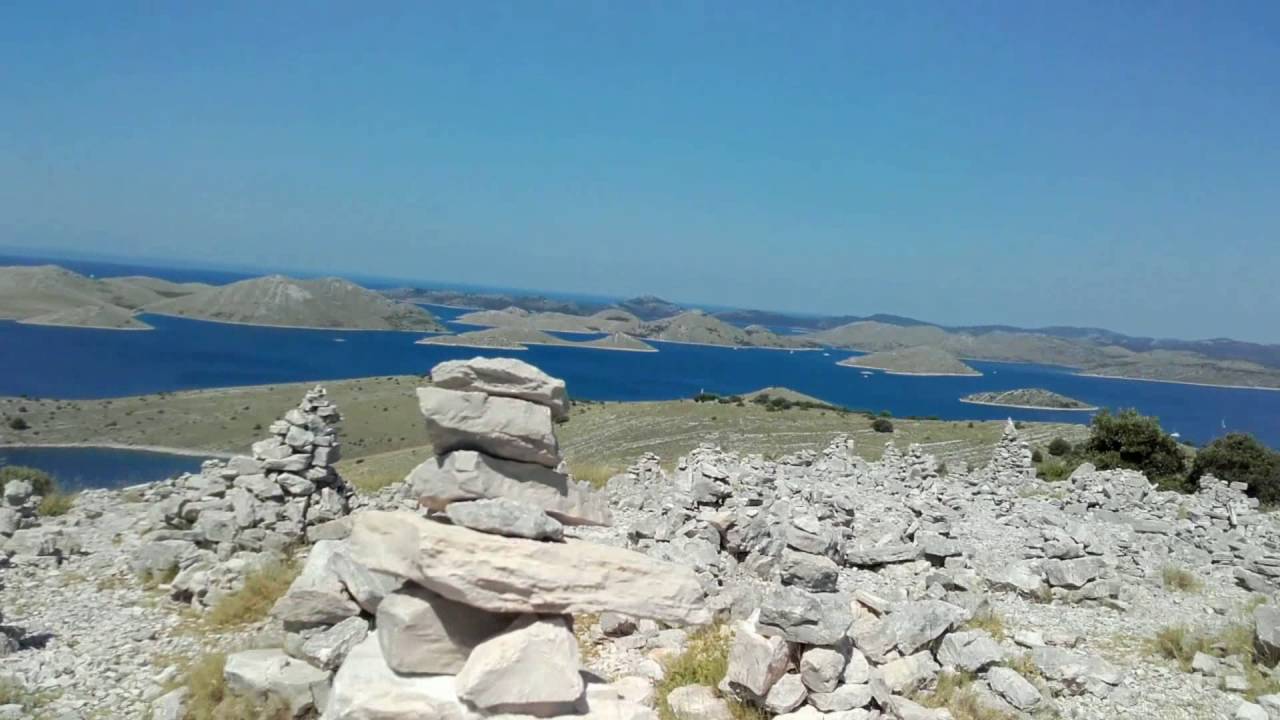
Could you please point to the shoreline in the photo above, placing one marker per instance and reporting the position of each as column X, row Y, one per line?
column 1028, row 407
column 912, row 374
column 85, row 327
column 294, row 327
column 1179, row 382
column 525, row 346
column 734, row 347
column 161, row 449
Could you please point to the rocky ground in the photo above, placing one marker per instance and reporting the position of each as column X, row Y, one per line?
column 842, row 587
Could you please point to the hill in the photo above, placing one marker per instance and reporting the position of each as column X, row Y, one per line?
column 696, row 326
column 158, row 287
column 649, row 307
column 490, row 301
column 1027, row 398
column 912, row 361
column 106, row 317
column 514, row 338
column 606, row 321
column 280, row 301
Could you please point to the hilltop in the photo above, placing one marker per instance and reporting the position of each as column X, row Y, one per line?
column 698, row 327
column 606, row 321
column 912, row 361
column 1038, row 398
column 48, row 294
column 515, row 338
column 282, row 301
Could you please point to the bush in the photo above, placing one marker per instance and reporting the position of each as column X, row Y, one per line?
column 1037, row 456
column 18, row 423
column 55, row 503
column 1136, row 442
column 705, row 397
column 41, row 482
column 1239, row 457
column 1059, row 447
column 1180, row 579
column 882, row 425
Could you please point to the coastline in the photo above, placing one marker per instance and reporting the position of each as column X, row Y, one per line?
column 1029, row 407
column 85, row 327
column 294, row 327
column 188, row 452
column 1179, row 382
column 734, row 347
column 913, row 374
column 525, row 346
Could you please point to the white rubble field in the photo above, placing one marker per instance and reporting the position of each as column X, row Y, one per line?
column 843, row 589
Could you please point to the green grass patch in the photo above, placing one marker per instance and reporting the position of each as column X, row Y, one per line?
column 953, row 691
column 704, row 662
column 1181, row 643
column 251, row 603
column 990, row 621
column 55, row 503
column 595, row 474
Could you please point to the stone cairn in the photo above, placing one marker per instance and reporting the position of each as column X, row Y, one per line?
column 1011, row 460
column 465, row 609
column 249, row 509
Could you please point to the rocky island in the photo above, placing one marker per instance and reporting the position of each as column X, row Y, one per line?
column 912, row 361
column 1028, row 398
column 515, row 338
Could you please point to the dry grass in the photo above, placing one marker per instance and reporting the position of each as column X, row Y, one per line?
column 595, row 474
column 954, row 693
column 210, row 698
column 704, row 662
column 1180, row 644
column 990, row 621
column 55, row 503
column 582, row 625
column 254, row 599
column 1179, row 579
column 1024, row 666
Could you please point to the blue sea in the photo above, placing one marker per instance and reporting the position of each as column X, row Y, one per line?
column 75, row 363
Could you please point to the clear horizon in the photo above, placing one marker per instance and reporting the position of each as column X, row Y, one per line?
column 1028, row 166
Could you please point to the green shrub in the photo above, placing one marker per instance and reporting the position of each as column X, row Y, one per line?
column 17, row 423
column 1037, row 456
column 1239, row 457
column 1059, row 447
column 42, row 483
column 1136, row 442
column 55, row 503
column 705, row 397
column 1176, row 578
column 882, row 425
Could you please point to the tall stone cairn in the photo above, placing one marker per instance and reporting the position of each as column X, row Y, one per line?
column 465, row 609
column 1011, row 459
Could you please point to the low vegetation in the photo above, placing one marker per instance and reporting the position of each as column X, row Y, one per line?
column 41, row 482
column 595, row 474
column 55, row 503
column 704, row 661
column 251, row 603
column 881, row 425
column 1181, row 643
column 210, row 699
column 1239, row 457
column 954, row 691
column 1136, row 442
column 1180, row 579
column 990, row 621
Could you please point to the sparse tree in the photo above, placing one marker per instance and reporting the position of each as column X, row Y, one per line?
column 1239, row 457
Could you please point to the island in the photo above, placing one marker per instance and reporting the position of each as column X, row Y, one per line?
column 912, row 361
column 1027, row 398
column 606, row 321
column 510, row 338
column 101, row 317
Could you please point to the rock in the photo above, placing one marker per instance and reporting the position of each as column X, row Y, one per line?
column 272, row 673
column 421, row 632
column 843, row 698
column 909, row 673
column 755, row 661
column 498, row 426
column 880, row 555
column 820, row 668
column 1015, row 689
column 17, row 492
column 1073, row 573
column 500, row 516
column 316, row 596
column 615, row 625
column 803, row 617
column 786, row 695
column 1017, row 577
column 530, row 669
column 1059, row 664
column 9, row 520
column 328, row 648
column 504, row 377
column 811, row 572
column 364, row 688
column 367, row 587
column 516, row 575
column 1206, row 664
column 857, row 671
column 635, row 689
column 171, row 706
column 970, row 651
column 1266, row 620
column 697, row 702
column 469, row 475
column 916, row 624
column 1249, row 711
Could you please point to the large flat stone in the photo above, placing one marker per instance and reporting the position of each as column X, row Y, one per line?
column 271, row 672
column 469, row 475
column 499, row 516
column 365, row 688
column 531, row 669
column 317, row 596
column 423, row 632
column 503, row 574
column 506, row 377
column 756, row 662
column 499, row 426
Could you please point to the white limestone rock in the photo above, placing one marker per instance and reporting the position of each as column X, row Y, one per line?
column 421, row 632
column 499, row 426
column 531, row 669
column 504, row 377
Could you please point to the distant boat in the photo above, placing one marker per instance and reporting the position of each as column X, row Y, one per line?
column 339, row 339
column 866, row 373
column 826, row 354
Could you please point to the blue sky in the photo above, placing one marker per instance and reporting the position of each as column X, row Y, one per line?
column 1110, row 164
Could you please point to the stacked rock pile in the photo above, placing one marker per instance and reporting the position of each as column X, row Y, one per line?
column 468, row 612
column 23, row 538
column 1011, row 460
column 250, row 508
